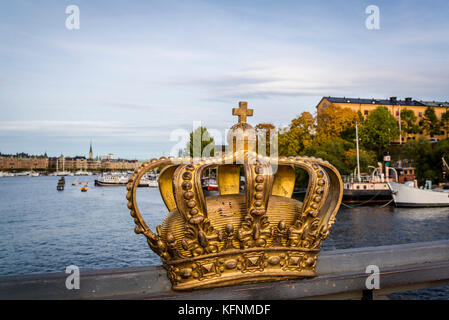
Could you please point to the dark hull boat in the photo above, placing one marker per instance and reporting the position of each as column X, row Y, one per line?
column 368, row 197
column 61, row 184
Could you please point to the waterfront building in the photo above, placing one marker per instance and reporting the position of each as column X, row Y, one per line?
column 364, row 106
column 120, row 164
column 23, row 161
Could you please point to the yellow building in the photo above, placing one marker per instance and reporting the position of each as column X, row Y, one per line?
column 394, row 106
column 23, row 163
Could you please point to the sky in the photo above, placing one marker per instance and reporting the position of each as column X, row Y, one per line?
column 137, row 74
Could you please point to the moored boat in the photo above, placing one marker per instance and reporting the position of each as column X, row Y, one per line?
column 407, row 195
column 111, row 180
column 61, row 184
column 209, row 184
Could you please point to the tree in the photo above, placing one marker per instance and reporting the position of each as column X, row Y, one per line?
column 445, row 122
column 424, row 160
column 430, row 122
column 333, row 149
column 334, row 121
column 201, row 144
column 300, row 134
column 379, row 129
column 408, row 122
column 366, row 158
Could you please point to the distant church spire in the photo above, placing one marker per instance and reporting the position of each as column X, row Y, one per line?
column 91, row 155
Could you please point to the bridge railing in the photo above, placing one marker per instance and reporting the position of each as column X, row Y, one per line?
column 341, row 274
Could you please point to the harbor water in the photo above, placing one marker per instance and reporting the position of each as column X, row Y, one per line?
column 43, row 230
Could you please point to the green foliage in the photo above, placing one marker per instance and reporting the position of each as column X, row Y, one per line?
column 333, row 141
column 430, row 122
column 201, row 144
column 427, row 158
column 445, row 122
column 366, row 158
column 408, row 122
column 333, row 150
column 379, row 129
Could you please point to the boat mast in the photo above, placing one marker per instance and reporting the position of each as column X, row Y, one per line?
column 357, row 147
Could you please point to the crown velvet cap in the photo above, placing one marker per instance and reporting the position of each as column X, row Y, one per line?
column 261, row 234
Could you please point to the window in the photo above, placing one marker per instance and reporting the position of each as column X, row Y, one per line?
column 365, row 112
column 420, row 114
column 442, row 133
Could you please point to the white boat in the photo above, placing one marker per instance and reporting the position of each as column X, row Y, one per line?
column 116, row 179
column 22, row 174
column 407, row 195
column 34, row 174
column 111, row 180
column 83, row 173
column 150, row 180
column 63, row 173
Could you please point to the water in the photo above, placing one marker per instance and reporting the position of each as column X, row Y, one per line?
column 43, row 230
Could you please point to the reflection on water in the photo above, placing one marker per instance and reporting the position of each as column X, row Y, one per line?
column 374, row 226
column 43, row 230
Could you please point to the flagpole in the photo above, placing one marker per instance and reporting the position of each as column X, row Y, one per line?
column 400, row 129
column 357, row 147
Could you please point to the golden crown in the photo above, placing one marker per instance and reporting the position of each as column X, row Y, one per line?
column 235, row 237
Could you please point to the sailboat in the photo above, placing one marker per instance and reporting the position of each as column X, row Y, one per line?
column 371, row 189
column 63, row 172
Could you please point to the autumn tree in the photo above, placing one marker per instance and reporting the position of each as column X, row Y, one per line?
column 379, row 129
column 299, row 135
column 334, row 121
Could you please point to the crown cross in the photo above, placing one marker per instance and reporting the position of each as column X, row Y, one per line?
column 242, row 111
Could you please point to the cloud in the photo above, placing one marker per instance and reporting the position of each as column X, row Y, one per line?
column 81, row 129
